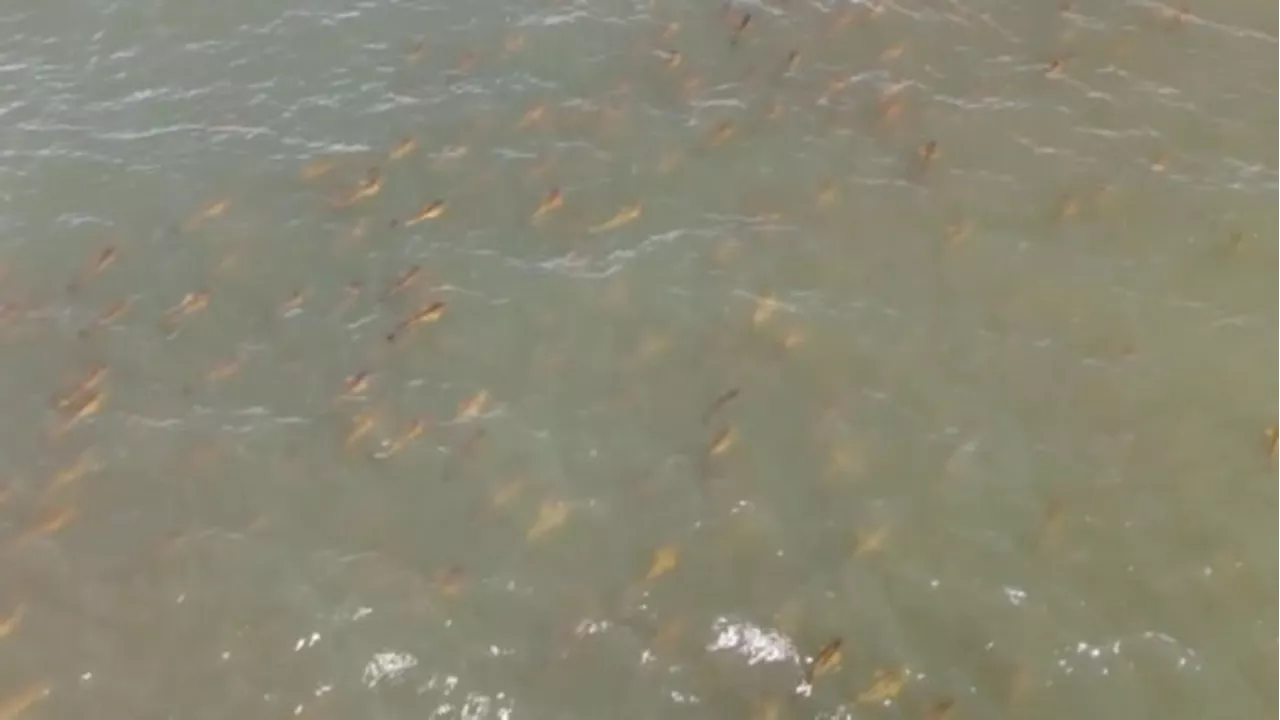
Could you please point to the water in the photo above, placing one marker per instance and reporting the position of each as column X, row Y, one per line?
column 1001, row 405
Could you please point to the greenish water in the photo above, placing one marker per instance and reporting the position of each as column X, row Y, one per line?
column 1001, row 405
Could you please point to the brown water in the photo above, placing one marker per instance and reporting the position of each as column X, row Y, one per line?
column 1000, row 410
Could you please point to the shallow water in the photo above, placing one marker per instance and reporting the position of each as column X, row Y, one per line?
column 1000, row 413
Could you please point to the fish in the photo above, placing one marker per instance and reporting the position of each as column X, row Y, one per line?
column 191, row 303
column 90, row 382
column 104, row 260
column 224, row 370
column 293, row 304
column 86, row 462
column 826, row 661
column 551, row 515
column 940, row 710
column 671, row 58
column 429, row 313
column 362, row 425
column 885, row 686
column 739, row 29
column 88, row 406
column 50, row 523
column 664, row 561
column 793, row 62
column 623, row 216
column 11, row 623
column 722, row 442
column 356, row 384
column 402, row 283
column 471, row 408
column 718, row 404
column 720, row 133
column 110, row 314
column 25, row 699
column 403, row 149
column 414, row 431
column 533, row 116
column 429, row 211
column 208, row 212
column 316, row 169
column 371, row 186
column 552, row 202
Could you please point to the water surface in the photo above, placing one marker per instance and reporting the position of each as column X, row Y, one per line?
column 1001, row 400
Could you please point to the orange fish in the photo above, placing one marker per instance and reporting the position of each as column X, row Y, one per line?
column 403, row 149
column 722, row 442
column 671, row 58
column 430, row 211
column 471, row 408
column 624, row 216
column 293, row 304
column 356, row 384
column 416, row 53
column 192, row 302
column 224, row 370
column 928, row 153
column 414, row 432
column 350, row 296
column 793, row 61
column 721, row 400
column 90, row 405
column 428, row 314
column 534, row 116
column 361, row 426
column 371, row 186
column 102, row 262
column 113, row 312
column 16, row 705
column 402, row 283
column 83, row 464
column 52, row 522
column 116, row 310
column 11, row 623
column 552, row 202
column 720, row 133
column 741, row 28
column 91, row 381
column 316, row 169
column 206, row 213
column 826, row 661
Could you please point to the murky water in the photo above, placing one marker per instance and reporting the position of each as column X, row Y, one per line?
column 945, row 329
